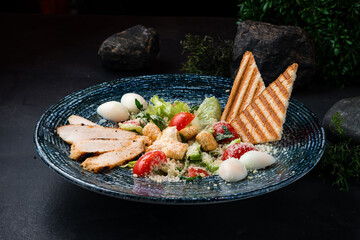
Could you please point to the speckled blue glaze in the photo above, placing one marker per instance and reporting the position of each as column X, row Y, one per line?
column 303, row 140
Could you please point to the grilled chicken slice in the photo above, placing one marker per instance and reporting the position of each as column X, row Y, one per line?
column 108, row 160
column 96, row 146
column 75, row 133
column 75, row 119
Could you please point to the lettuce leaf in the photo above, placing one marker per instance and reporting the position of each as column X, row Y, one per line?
column 164, row 109
column 131, row 127
column 209, row 112
column 130, row 164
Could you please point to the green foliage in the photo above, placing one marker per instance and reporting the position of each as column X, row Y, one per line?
column 341, row 161
column 336, row 125
column 334, row 26
column 206, row 55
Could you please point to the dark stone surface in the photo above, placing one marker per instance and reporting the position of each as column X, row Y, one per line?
column 275, row 48
column 349, row 110
column 135, row 48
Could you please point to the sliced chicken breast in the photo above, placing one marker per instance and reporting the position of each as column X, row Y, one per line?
column 96, row 146
column 75, row 133
column 108, row 160
column 75, row 119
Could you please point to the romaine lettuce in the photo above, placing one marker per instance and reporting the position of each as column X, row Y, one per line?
column 209, row 112
column 131, row 127
column 164, row 109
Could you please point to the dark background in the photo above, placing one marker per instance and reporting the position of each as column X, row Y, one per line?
column 45, row 57
column 227, row 8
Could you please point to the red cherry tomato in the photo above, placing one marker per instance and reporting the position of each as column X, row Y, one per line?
column 219, row 130
column 237, row 150
column 181, row 120
column 136, row 121
column 148, row 161
column 196, row 171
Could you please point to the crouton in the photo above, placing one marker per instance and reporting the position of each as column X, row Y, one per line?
column 172, row 149
column 189, row 132
column 207, row 141
column 152, row 131
column 169, row 143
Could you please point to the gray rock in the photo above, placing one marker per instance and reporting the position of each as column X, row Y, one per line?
column 275, row 48
column 349, row 110
column 135, row 48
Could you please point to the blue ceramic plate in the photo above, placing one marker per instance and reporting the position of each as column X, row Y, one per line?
column 298, row 152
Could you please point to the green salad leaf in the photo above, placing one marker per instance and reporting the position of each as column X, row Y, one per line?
column 129, row 165
column 131, row 127
column 209, row 112
column 146, row 117
column 208, row 162
column 238, row 140
column 164, row 109
column 194, row 108
column 182, row 177
column 193, row 152
column 138, row 105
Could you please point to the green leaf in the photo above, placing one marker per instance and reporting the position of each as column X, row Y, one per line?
column 182, row 177
column 131, row 127
column 323, row 21
column 206, row 55
column 158, row 121
column 225, row 135
column 165, row 109
column 138, row 104
column 209, row 112
column 129, row 164
column 265, row 6
column 237, row 140
column 146, row 117
column 194, row 108
column 340, row 163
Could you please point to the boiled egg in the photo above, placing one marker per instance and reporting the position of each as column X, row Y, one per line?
column 232, row 170
column 128, row 100
column 113, row 111
column 256, row 160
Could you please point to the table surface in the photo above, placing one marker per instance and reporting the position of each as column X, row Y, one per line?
column 45, row 58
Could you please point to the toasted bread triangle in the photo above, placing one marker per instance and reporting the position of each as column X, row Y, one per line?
column 247, row 86
column 262, row 120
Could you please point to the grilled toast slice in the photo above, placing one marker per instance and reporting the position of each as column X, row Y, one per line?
column 262, row 120
column 248, row 84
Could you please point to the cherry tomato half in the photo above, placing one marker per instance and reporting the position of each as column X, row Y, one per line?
column 196, row 171
column 181, row 120
column 219, row 132
column 237, row 150
column 148, row 161
column 135, row 122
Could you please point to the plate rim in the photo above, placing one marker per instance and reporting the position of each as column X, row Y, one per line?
column 170, row 200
